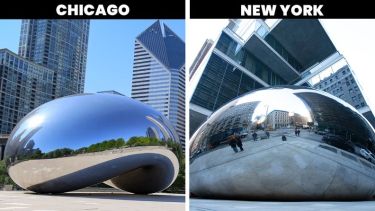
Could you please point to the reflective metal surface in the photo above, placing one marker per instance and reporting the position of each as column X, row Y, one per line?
column 277, row 142
column 81, row 140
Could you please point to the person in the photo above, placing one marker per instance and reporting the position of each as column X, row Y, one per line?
column 298, row 132
column 268, row 134
column 283, row 138
column 255, row 135
column 238, row 142
column 232, row 143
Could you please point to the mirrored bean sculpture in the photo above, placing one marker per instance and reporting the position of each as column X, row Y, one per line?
column 81, row 140
column 284, row 143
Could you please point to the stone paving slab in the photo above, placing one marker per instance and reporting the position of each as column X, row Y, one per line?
column 103, row 201
column 230, row 205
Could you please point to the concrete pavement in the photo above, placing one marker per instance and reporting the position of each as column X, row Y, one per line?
column 223, row 205
column 103, row 201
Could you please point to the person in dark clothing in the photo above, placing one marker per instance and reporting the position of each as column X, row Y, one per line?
column 232, row 143
column 238, row 142
column 283, row 138
column 298, row 132
column 255, row 135
column 268, row 134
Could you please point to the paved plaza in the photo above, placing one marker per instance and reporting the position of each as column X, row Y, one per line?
column 103, row 201
column 222, row 205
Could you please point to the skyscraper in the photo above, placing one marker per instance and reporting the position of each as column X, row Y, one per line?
column 51, row 64
column 201, row 55
column 24, row 85
column 252, row 54
column 60, row 45
column 159, row 73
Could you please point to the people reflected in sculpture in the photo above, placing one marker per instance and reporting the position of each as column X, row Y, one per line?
column 283, row 138
column 280, row 114
column 233, row 142
column 255, row 135
column 238, row 141
column 268, row 134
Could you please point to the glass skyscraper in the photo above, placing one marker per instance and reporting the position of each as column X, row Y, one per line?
column 159, row 73
column 60, row 45
column 51, row 64
column 24, row 86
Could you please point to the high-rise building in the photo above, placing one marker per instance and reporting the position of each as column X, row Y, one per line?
column 24, row 85
column 252, row 54
column 199, row 58
column 60, row 45
column 51, row 64
column 343, row 84
column 159, row 73
column 3, row 141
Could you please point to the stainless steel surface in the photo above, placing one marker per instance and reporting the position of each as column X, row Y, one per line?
column 81, row 140
column 290, row 135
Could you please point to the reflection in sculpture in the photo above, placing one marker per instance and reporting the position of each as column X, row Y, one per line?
column 81, row 140
column 299, row 143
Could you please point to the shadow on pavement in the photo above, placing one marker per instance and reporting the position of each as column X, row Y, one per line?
column 159, row 197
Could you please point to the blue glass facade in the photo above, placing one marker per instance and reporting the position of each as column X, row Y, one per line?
column 221, row 82
column 243, row 57
column 51, row 64
column 24, row 86
column 229, row 82
column 60, row 45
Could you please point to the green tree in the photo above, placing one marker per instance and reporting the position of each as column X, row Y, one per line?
column 4, row 177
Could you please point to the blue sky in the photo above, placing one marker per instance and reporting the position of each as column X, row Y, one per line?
column 110, row 53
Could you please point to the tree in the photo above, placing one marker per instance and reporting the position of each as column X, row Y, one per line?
column 4, row 177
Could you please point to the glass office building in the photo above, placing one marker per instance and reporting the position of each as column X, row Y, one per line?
column 251, row 54
column 60, row 45
column 24, row 86
column 51, row 64
column 159, row 73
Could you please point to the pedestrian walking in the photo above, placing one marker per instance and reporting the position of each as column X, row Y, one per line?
column 238, row 142
column 232, row 143
column 268, row 134
column 255, row 135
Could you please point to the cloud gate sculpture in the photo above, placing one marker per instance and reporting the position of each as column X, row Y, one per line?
column 81, row 140
column 284, row 143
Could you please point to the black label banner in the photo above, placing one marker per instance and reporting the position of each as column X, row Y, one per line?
column 281, row 9
column 94, row 9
